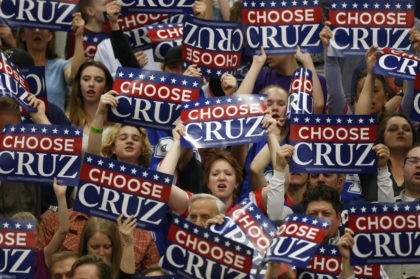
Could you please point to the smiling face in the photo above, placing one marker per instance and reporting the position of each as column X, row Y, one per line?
column 412, row 173
column 92, row 84
column 325, row 210
column 222, row 181
column 127, row 146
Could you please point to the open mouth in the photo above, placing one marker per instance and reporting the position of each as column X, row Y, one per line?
column 221, row 186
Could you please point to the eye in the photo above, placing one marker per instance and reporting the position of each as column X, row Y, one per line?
column 136, row 138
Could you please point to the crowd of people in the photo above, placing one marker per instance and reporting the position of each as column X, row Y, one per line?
column 209, row 181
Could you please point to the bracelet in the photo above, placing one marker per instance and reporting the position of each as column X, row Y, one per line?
column 96, row 130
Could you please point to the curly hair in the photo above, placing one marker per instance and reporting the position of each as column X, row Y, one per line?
column 109, row 143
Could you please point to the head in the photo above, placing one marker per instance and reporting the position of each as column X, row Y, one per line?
column 206, row 153
column 37, row 40
column 223, row 176
column 9, row 112
column 128, row 144
column 235, row 11
column 101, row 237
column 204, row 207
column 335, row 180
column 91, row 267
column 154, row 270
column 397, row 132
column 91, row 81
column 412, row 172
column 323, row 201
column 61, row 263
column 276, row 100
column 279, row 62
column 93, row 10
column 380, row 92
column 172, row 62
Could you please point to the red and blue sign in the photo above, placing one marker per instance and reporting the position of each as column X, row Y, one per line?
column 333, row 143
column 396, row 63
column 38, row 153
column 214, row 46
column 195, row 252
column 109, row 188
column 385, row 233
column 53, row 14
column 223, row 121
column 415, row 110
column 17, row 248
column 300, row 99
column 158, row 6
column 151, row 98
column 280, row 26
column 164, row 37
column 358, row 24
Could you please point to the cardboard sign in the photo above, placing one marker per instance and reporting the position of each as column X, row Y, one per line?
column 164, row 37
column 415, row 110
column 158, row 6
column 397, row 64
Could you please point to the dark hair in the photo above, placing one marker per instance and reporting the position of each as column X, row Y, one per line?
column 104, row 269
column 322, row 192
column 83, row 5
column 50, row 52
column 384, row 122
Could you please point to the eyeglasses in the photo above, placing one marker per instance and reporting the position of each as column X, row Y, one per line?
column 412, row 160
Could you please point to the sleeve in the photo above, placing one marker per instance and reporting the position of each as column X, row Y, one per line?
column 122, row 49
column 336, row 99
column 152, row 256
column 275, row 197
column 385, row 190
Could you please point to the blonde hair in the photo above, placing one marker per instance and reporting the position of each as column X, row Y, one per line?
column 109, row 143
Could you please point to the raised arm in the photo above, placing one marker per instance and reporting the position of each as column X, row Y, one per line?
column 249, row 81
column 39, row 117
column 126, row 229
column 95, row 136
column 385, row 190
column 64, row 224
column 79, row 54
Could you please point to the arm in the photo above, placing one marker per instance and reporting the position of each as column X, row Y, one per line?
column 336, row 102
column 95, row 136
column 6, row 36
column 79, row 52
column 63, row 228
column 248, row 83
column 345, row 243
column 224, row 9
column 385, row 190
column 362, row 106
column 317, row 95
column 203, row 9
column 126, row 228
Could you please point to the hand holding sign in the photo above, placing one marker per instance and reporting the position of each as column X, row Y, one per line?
column 415, row 40
column 382, row 155
column 283, row 155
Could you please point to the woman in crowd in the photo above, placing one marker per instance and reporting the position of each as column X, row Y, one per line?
column 59, row 73
column 91, row 81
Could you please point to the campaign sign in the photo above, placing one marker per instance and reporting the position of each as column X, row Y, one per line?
column 54, row 15
column 300, row 99
column 195, row 252
column 358, row 24
column 37, row 153
column 151, row 98
column 17, row 244
column 395, row 63
column 415, row 110
column 385, row 233
column 164, row 37
column 214, row 46
column 109, row 188
column 91, row 40
column 158, row 6
column 223, row 121
column 326, row 263
column 128, row 21
column 333, row 143
column 13, row 84
column 298, row 238
column 280, row 26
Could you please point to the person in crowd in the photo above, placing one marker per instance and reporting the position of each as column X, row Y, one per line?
column 59, row 73
column 154, row 271
column 7, row 38
column 92, row 267
column 91, row 81
column 205, row 210
column 43, row 256
column 61, row 263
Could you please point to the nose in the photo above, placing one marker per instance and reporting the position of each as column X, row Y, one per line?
column 101, row 251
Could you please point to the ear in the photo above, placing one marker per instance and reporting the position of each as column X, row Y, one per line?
column 51, row 36
column 90, row 11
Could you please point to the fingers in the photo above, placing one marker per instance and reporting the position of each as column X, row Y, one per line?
column 141, row 58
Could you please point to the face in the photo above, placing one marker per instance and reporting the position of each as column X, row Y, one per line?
column 61, row 269
column 36, row 39
column 325, row 210
column 398, row 133
column 86, row 271
column 92, row 84
column 206, row 153
column 276, row 61
column 277, row 102
column 379, row 96
column 174, row 68
column 201, row 211
column 330, row 179
column 98, row 9
column 127, row 145
column 222, row 180
column 298, row 179
column 412, row 172
column 7, row 118
column 100, row 244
